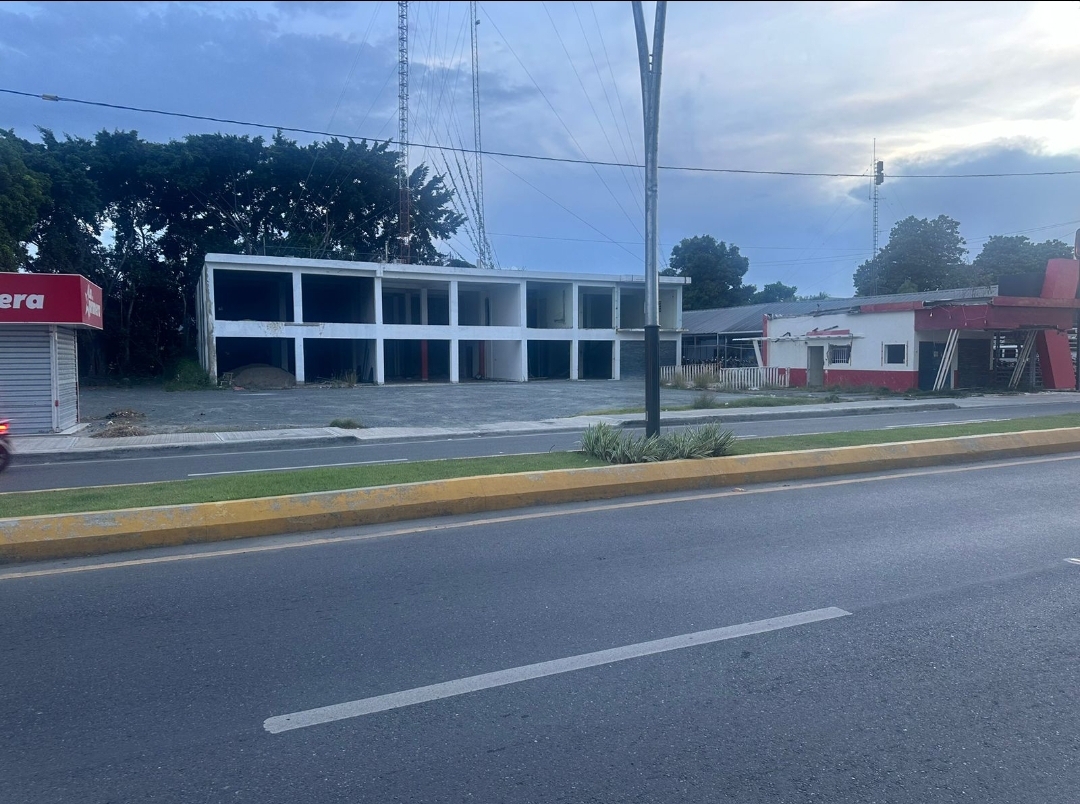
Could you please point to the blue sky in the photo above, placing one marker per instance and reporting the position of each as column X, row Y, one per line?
column 944, row 88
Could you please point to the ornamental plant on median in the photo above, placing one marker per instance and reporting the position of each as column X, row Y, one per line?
column 605, row 443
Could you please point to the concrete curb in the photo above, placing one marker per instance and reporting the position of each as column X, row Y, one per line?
column 68, row 535
column 668, row 419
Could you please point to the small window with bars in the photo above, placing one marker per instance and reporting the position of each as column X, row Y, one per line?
column 839, row 355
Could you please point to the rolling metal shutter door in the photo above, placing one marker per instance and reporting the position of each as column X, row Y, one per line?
column 67, row 376
column 26, row 378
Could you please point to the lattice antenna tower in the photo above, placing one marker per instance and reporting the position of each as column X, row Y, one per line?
column 877, row 170
column 484, row 257
column 404, row 194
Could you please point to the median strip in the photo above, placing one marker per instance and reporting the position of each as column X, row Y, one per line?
column 458, row 492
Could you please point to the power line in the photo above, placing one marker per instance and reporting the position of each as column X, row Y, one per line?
column 533, row 157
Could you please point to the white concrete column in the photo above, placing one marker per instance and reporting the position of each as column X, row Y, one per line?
column 423, row 306
column 378, row 305
column 524, row 356
column 678, row 351
column 453, row 305
column 380, row 361
column 455, row 368
column 574, row 360
column 297, row 297
column 616, row 359
column 522, row 310
column 574, row 309
column 615, row 308
column 298, row 357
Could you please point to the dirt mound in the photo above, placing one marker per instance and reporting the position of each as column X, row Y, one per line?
column 116, row 430
column 124, row 414
column 262, row 377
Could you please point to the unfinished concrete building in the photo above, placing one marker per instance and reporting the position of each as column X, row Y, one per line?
column 372, row 322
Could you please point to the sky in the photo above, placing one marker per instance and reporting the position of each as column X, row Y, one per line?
column 943, row 88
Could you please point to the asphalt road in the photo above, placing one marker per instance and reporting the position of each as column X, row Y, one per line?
column 98, row 471
column 951, row 676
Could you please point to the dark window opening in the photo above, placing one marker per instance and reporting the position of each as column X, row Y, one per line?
column 594, row 360
column 235, row 353
column 549, row 360
column 896, row 354
column 596, row 310
column 338, row 299
column 350, row 360
column 416, row 360
column 253, row 296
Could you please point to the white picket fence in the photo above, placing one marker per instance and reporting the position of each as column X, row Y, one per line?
column 729, row 379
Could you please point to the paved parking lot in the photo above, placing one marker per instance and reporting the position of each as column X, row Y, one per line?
column 433, row 405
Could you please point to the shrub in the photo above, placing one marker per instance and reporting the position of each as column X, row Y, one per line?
column 604, row 442
column 347, row 424
column 677, row 381
column 704, row 381
column 188, row 376
column 705, row 401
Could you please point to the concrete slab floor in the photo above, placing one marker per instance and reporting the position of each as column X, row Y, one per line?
column 412, row 405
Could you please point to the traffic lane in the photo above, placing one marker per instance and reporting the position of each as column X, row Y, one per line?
column 102, row 471
column 148, row 666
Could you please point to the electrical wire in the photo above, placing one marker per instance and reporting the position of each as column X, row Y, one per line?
column 535, row 157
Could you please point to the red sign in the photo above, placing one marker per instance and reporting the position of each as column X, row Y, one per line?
column 67, row 299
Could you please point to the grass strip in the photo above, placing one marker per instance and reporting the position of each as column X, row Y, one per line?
column 271, row 484
column 856, row 438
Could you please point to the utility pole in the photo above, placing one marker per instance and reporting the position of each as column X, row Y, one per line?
column 484, row 257
column 650, row 65
column 404, row 195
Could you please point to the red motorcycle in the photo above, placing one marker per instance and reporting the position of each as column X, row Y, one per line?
column 5, row 444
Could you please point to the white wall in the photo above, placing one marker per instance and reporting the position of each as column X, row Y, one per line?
column 871, row 330
column 504, row 361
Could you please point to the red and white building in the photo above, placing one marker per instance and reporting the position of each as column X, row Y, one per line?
column 931, row 344
column 39, row 366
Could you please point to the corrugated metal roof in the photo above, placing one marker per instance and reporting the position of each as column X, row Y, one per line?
column 747, row 320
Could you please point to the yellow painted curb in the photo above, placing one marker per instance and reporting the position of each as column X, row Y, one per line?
column 67, row 535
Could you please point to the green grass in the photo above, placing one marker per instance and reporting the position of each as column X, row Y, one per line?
column 753, row 446
column 269, row 484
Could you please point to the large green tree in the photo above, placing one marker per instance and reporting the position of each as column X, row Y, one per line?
column 775, row 292
column 921, row 255
column 23, row 200
column 138, row 218
column 715, row 270
column 1003, row 255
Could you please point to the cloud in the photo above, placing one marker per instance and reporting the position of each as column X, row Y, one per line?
column 944, row 87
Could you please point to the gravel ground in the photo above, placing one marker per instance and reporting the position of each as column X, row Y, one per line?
column 437, row 405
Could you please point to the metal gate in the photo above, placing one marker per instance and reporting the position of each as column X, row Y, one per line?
column 26, row 387
column 66, row 400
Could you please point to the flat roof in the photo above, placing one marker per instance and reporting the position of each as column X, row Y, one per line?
column 390, row 269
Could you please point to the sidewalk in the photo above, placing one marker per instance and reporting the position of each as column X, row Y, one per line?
column 40, row 448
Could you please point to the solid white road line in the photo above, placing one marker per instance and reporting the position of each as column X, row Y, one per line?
column 1073, row 560
column 461, row 686
column 292, row 468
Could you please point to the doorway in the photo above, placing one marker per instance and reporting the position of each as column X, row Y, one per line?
column 815, row 366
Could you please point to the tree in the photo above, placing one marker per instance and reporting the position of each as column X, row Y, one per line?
column 775, row 292
column 23, row 199
column 921, row 255
column 715, row 270
column 138, row 218
column 1002, row 255
column 820, row 296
